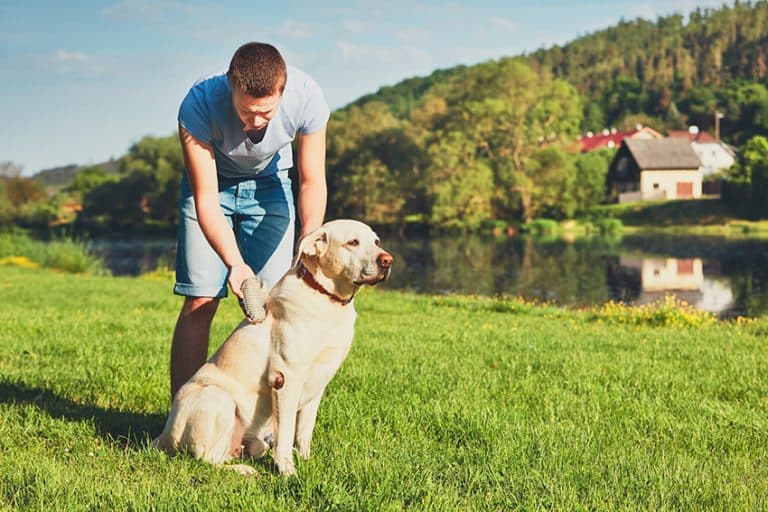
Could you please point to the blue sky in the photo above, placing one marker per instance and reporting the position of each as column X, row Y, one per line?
column 81, row 81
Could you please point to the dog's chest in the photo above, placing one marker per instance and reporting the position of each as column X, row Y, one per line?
column 321, row 370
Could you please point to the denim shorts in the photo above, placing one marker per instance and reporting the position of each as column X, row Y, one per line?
column 262, row 215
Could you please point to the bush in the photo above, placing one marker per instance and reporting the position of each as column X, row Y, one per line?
column 542, row 227
column 610, row 227
column 72, row 256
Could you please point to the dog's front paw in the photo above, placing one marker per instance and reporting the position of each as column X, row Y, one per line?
column 254, row 301
column 240, row 469
column 286, row 467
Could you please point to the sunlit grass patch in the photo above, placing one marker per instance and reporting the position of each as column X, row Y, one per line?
column 19, row 261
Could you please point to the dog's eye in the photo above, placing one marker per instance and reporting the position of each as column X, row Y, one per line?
column 354, row 242
column 377, row 242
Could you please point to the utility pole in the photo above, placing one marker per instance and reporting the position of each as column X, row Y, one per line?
column 718, row 116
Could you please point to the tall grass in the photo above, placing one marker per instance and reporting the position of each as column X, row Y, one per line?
column 444, row 403
column 66, row 255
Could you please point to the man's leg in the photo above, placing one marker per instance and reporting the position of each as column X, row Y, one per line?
column 189, row 349
column 201, row 277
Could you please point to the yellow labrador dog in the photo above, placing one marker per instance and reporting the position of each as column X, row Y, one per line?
column 268, row 378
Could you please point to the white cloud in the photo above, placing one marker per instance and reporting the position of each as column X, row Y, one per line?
column 352, row 51
column 641, row 11
column 353, row 26
column 143, row 10
column 389, row 55
column 160, row 11
column 294, row 29
column 504, row 24
column 65, row 62
column 414, row 35
column 64, row 57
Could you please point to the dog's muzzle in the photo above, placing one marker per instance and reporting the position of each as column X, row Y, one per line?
column 384, row 264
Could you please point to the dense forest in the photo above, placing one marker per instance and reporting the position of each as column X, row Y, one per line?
column 489, row 143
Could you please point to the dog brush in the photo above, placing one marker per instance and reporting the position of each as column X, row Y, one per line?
column 254, row 301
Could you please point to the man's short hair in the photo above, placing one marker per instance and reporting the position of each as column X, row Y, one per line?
column 258, row 70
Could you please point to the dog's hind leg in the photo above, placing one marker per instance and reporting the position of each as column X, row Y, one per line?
column 211, row 425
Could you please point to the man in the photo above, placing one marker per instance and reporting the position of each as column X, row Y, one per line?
column 236, row 209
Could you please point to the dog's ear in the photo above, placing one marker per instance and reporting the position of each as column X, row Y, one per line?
column 312, row 245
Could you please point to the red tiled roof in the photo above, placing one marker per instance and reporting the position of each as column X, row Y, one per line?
column 613, row 140
column 693, row 137
column 604, row 141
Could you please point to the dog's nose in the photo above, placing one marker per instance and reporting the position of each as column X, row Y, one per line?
column 385, row 260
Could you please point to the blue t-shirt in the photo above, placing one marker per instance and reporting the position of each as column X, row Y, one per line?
column 208, row 114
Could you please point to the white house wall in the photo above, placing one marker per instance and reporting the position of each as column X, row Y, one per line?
column 667, row 181
column 714, row 157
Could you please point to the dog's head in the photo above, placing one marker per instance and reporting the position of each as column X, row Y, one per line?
column 346, row 252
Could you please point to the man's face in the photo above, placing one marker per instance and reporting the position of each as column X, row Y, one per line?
column 255, row 113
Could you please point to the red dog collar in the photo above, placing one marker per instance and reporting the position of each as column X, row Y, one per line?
column 305, row 275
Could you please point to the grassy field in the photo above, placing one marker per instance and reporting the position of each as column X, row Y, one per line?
column 443, row 404
column 695, row 217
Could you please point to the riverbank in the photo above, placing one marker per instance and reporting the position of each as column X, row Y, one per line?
column 445, row 403
column 701, row 217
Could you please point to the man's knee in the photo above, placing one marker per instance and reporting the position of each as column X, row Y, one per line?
column 200, row 307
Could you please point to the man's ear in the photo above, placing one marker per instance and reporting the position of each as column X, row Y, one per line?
column 313, row 245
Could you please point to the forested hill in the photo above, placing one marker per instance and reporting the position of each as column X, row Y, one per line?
column 668, row 73
column 477, row 147
column 472, row 145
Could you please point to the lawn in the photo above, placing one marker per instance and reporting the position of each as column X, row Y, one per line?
column 709, row 216
column 443, row 404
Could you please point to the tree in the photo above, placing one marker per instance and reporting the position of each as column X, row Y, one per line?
column 519, row 110
column 21, row 191
column 10, row 169
column 89, row 179
column 590, row 170
column 460, row 183
column 373, row 165
column 747, row 180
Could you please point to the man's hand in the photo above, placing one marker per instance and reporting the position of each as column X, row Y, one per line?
column 238, row 274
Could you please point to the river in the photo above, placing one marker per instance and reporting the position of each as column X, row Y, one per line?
column 726, row 277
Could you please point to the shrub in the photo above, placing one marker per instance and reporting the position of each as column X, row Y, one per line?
column 609, row 226
column 542, row 227
column 72, row 256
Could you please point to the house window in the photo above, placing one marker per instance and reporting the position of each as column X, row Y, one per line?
column 655, row 186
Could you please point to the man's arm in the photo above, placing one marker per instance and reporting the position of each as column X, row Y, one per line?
column 201, row 169
column 313, row 191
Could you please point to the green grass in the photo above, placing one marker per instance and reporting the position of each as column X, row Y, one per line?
column 445, row 403
column 709, row 216
column 693, row 212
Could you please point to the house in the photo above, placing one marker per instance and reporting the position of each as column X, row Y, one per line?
column 646, row 169
column 715, row 155
column 612, row 138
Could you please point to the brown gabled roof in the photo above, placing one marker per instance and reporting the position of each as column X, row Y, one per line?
column 660, row 154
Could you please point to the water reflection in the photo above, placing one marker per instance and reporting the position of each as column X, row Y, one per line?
column 714, row 274
column 683, row 278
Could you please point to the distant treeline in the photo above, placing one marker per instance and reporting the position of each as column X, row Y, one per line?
column 490, row 143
